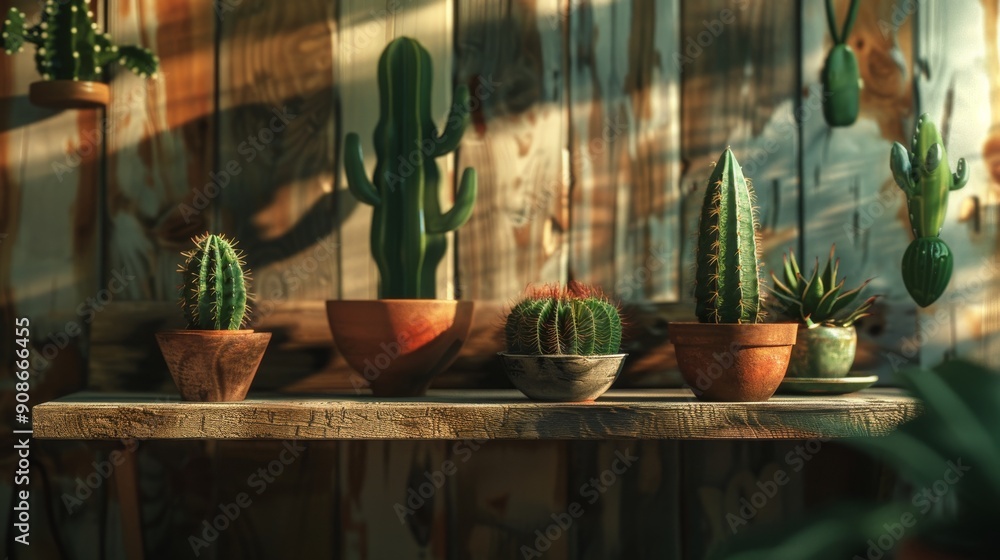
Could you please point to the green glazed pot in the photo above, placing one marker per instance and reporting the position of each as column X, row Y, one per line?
column 825, row 352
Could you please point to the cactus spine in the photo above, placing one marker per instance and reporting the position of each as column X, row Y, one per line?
column 68, row 45
column 728, row 269
column 841, row 77
column 925, row 177
column 575, row 320
column 408, row 227
column 213, row 292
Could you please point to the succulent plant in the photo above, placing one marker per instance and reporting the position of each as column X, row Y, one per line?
column 841, row 77
column 69, row 47
column 575, row 320
column 925, row 177
column 819, row 299
column 728, row 269
column 408, row 227
column 213, row 293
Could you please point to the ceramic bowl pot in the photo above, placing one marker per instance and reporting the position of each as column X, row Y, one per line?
column 69, row 94
column 399, row 345
column 823, row 352
column 733, row 362
column 213, row 366
column 562, row 378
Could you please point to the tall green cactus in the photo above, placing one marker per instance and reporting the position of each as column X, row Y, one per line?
column 408, row 228
column 575, row 320
column 841, row 77
column 213, row 292
column 69, row 46
column 925, row 177
column 728, row 269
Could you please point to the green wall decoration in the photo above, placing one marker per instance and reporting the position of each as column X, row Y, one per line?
column 841, row 77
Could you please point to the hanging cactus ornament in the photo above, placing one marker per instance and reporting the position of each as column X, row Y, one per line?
column 841, row 77
column 408, row 227
column 925, row 177
column 728, row 268
column 213, row 292
column 68, row 45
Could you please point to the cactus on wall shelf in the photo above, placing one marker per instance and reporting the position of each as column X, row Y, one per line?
column 728, row 273
column 68, row 44
column 213, row 293
column 925, row 177
column 408, row 233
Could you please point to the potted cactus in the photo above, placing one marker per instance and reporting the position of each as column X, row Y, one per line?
column 563, row 344
column 729, row 355
column 924, row 175
column 214, row 359
column 401, row 341
column 827, row 340
column 71, row 55
column 841, row 77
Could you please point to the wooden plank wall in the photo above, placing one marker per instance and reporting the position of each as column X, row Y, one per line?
column 594, row 127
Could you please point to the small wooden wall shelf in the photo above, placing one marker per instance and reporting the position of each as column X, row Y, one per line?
column 472, row 414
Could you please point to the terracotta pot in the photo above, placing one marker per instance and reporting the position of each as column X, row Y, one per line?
column 823, row 352
column 916, row 549
column 69, row 94
column 727, row 362
column 399, row 345
column 562, row 378
column 213, row 366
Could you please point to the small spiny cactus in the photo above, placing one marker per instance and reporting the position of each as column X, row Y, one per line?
column 728, row 268
column 68, row 45
column 213, row 292
column 575, row 320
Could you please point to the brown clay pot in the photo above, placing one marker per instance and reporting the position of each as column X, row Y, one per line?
column 69, row 94
column 728, row 362
column 213, row 366
column 399, row 345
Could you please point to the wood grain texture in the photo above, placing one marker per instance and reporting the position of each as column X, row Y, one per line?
column 512, row 57
column 462, row 414
column 624, row 96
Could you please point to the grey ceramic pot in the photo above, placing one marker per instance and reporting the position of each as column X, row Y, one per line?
column 824, row 352
column 562, row 378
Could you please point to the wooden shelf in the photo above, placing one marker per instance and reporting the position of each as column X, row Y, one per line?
column 472, row 414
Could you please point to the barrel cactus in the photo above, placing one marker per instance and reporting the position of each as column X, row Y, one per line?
column 408, row 227
column 925, row 177
column 553, row 320
column 214, row 293
column 68, row 45
column 728, row 279
column 819, row 299
column 841, row 77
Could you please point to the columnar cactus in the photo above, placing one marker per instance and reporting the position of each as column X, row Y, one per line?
column 841, row 77
column 728, row 268
column 408, row 228
column 575, row 320
column 213, row 292
column 925, row 177
column 69, row 47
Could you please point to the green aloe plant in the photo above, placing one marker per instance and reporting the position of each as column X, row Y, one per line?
column 819, row 299
column 841, row 77
column 213, row 293
column 408, row 227
column 728, row 264
column 575, row 320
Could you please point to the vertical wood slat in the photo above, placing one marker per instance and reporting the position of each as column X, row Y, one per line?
column 512, row 57
column 624, row 99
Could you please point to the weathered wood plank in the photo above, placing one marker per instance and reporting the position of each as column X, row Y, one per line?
column 624, row 97
column 462, row 414
column 512, row 57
